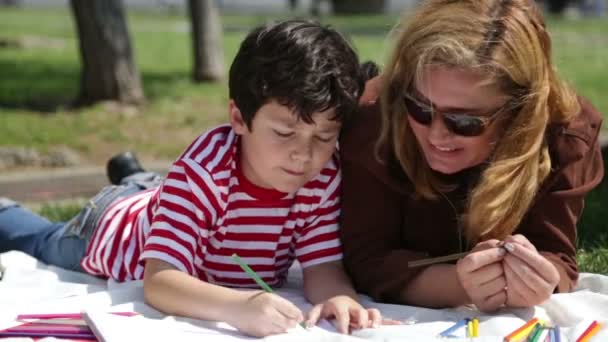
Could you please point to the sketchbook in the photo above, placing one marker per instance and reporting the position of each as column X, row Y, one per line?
column 113, row 328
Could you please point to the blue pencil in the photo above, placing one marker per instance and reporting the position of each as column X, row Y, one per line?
column 552, row 335
column 448, row 331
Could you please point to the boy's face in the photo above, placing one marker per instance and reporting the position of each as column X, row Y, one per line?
column 281, row 152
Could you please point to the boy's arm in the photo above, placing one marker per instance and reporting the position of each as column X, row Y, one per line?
column 177, row 293
column 327, row 280
column 252, row 312
column 328, row 286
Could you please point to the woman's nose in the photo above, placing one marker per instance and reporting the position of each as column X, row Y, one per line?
column 437, row 129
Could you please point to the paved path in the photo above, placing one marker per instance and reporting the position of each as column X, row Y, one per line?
column 57, row 184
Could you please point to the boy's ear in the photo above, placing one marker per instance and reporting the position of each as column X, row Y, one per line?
column 236, row 119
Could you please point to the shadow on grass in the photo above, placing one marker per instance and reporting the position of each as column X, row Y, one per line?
column 47, row 87
column 40, row 86
column 158, row 85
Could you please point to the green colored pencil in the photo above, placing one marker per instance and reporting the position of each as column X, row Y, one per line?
column 256, row 278
column 251, row 273
column 535, row 333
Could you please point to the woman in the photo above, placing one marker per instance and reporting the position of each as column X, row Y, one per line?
column 474, row 145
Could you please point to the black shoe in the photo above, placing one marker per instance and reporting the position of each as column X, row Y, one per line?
column 121, row 166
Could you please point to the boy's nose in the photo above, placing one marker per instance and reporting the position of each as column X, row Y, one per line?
column 302, row 153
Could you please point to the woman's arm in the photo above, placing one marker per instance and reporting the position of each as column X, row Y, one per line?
column 551, row 223
column 371, row 238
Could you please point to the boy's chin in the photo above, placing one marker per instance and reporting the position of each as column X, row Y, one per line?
column 289, row 187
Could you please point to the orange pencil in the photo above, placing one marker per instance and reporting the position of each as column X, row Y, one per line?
column 591, row 330
column 521, row 332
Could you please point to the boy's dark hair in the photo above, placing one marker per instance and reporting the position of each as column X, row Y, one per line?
column 370, row 69
column 300, row 64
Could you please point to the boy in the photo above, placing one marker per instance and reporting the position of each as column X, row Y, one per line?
column 265, row 187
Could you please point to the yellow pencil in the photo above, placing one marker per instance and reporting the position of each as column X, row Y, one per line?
column 470, row 329
column 475, row 327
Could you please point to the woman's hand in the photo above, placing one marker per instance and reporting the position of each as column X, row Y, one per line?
column 531, row 278
column 482, row 276
column 348, row 313
column 264, row 314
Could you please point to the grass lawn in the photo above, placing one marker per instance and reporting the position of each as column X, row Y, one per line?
column 39, row 73
column 38, row 81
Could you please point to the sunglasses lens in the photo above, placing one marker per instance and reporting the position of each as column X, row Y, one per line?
column 464, row 125
column 422, row 116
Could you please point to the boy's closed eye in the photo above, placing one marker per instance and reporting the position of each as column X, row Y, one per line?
column 326, row 138
column 283, row 134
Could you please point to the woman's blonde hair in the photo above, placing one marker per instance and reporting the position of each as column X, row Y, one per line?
column 507, row 41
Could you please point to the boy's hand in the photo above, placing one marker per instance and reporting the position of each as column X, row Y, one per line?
column 531, row 278
column 347, row 313
column 264, row 314
column 482, row 276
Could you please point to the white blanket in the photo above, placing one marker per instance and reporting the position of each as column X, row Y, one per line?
column 29, row 286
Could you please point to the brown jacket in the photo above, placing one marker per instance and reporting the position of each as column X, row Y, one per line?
column 384, row 226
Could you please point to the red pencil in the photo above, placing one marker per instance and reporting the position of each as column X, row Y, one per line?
column 521, row 331
column 67, row 315
column 590, row 331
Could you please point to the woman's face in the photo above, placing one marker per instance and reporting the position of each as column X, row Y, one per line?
column 455, row 91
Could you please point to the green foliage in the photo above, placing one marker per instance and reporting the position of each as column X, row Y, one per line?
column 593, row 261
column 60, row 212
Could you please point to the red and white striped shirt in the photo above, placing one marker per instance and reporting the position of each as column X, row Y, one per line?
column 206, row 210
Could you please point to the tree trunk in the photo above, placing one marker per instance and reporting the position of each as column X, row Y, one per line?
column 10, row 2
column 358, row 7
column 293, row 5
column 108, row 71
column 557, row 6
column 206, row 41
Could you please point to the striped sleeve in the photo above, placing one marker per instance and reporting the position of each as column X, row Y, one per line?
column 319, row 240
column 176, row 223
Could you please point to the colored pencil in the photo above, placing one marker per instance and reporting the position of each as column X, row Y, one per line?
column 475, row 327
column 66, row 315
column 535, row 331
column 83, row 336
column 70, row 321
column 470, row 328
column 49, row 329
column 558, row 334
column 522, row 331
column 541, row 336
column 251, row 273
column 552, row 335
column 436, row 260
column 591, row 330
column 255, row 277
column 457, row 325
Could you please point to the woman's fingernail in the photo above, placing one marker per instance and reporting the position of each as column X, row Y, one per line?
column 502, row 251
column 509, row 246
column 308, row 325
column 500, row 244
column 375, row 325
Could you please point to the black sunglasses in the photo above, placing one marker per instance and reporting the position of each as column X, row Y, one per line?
column 467, row 125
